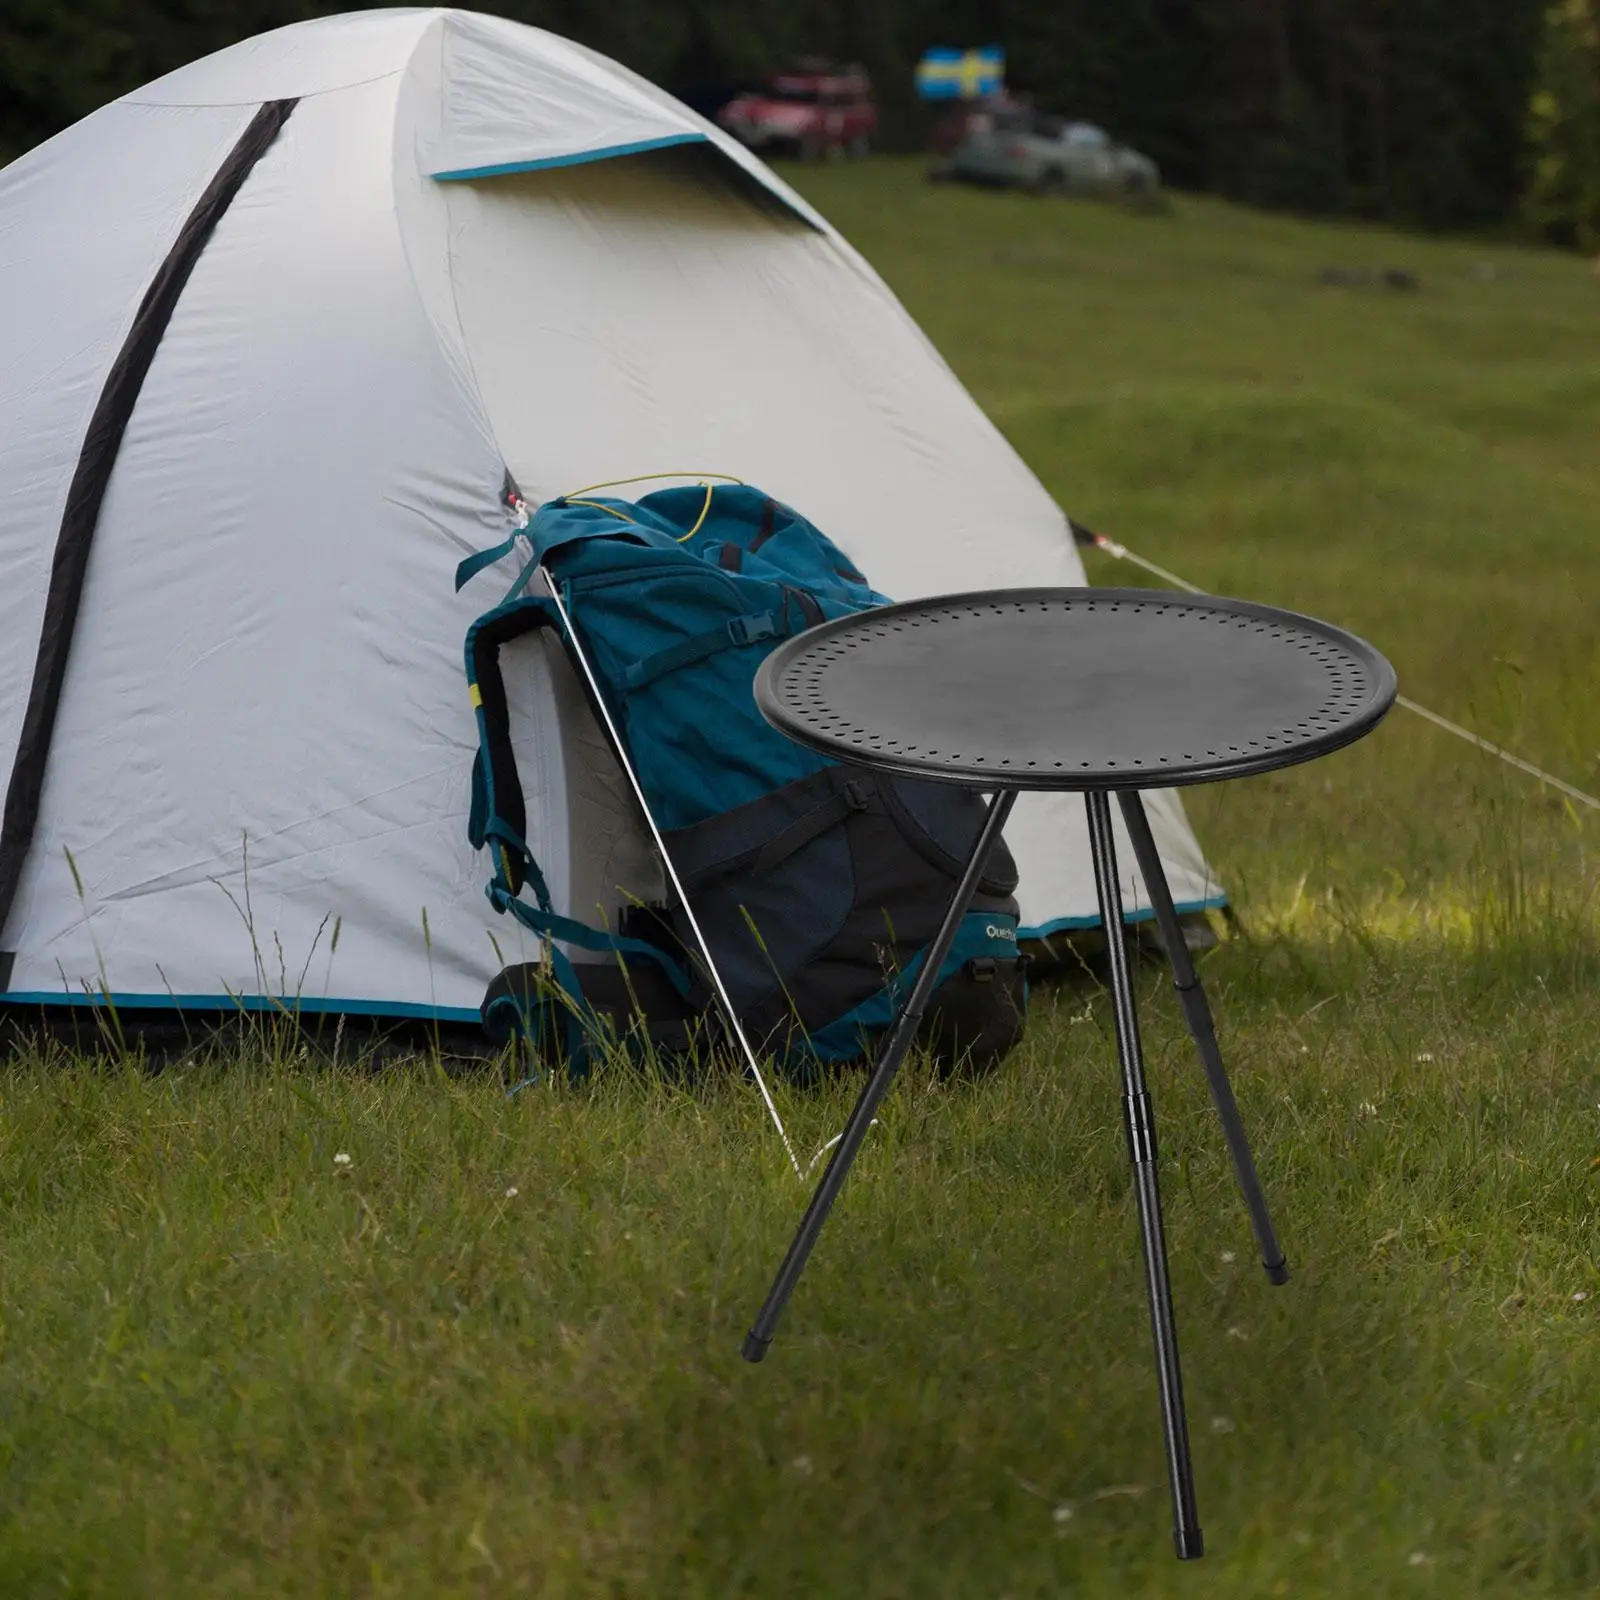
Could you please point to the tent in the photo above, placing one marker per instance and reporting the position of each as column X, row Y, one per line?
column 273, row 330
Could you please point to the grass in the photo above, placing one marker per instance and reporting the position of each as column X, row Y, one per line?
column 230, row 1363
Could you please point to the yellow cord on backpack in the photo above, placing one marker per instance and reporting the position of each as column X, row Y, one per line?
column 698, row 521
column 594, row 505
column 651, row 477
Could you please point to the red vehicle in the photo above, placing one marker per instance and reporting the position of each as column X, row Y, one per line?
column 812, row 112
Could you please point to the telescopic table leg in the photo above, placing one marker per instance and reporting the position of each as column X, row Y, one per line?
column 1140, row 1121
column 1198, row 1012
column 888, row 1063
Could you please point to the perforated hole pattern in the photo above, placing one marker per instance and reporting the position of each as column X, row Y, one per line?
column 1350, row 684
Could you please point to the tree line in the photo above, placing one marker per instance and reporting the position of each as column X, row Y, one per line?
column 1441, row 113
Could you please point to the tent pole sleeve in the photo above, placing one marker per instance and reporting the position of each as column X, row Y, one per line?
column 96, row 458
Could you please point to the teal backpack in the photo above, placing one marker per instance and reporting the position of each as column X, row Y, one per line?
column 816, row 885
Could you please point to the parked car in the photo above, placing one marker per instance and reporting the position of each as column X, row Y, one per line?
column 965, row 117
column 811, row 113
column 1050, row 155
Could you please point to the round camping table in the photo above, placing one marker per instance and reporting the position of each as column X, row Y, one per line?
column 1095, row 691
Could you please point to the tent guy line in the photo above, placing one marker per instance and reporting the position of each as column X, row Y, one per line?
column 1121, row 552
column 620, row 750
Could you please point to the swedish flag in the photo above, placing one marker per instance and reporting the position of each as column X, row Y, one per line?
column 946, row 74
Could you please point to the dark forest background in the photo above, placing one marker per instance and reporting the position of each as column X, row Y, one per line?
column 1418, row 111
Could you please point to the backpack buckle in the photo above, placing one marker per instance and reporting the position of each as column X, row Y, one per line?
column 759, row 625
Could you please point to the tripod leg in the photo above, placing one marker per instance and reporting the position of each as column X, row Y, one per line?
column 888, row 1063
column 1140, row 1121
column 1195, row 1008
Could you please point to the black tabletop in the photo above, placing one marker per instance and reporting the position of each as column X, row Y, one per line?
column 1075, row 688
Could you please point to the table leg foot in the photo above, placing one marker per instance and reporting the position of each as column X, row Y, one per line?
column 755, row 1347
column 1190, row 1543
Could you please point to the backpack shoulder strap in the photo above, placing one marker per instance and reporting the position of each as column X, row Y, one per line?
column 499, row 815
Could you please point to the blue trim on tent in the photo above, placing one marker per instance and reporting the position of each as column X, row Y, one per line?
column 1063, row 924
column 577, row 159
column 244, row 1002
column 408, row 1009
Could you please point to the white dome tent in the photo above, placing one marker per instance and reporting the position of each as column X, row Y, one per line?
column 273, row 329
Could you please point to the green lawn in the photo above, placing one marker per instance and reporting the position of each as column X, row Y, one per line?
column 231, row 1364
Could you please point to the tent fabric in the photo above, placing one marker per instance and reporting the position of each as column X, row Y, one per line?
column 505, row 107
column 258, row 781
column 86, row 493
